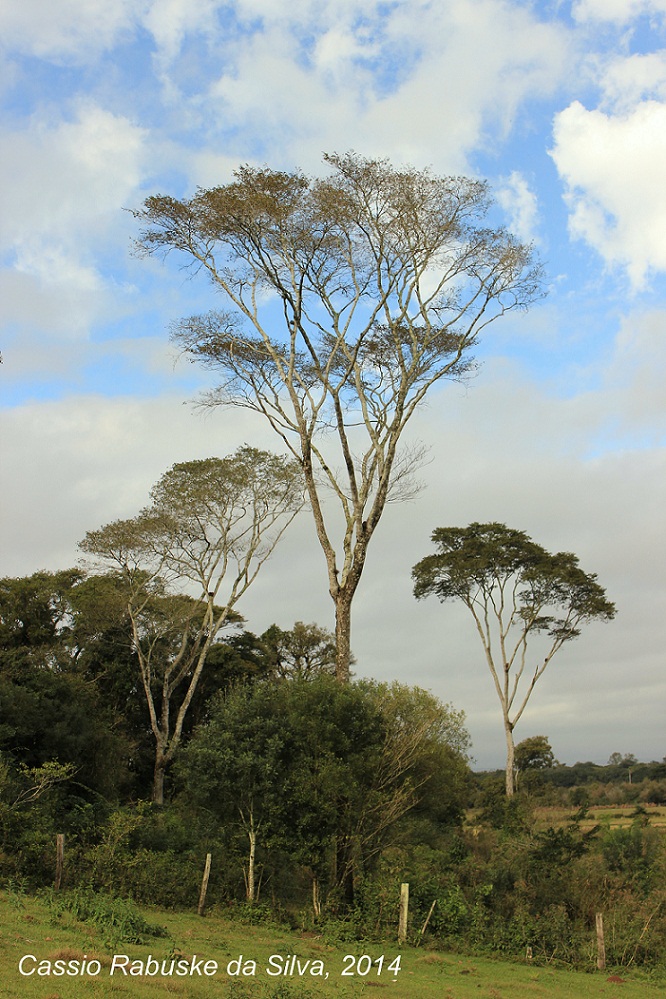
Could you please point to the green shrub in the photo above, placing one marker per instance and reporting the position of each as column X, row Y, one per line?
column 118, row 919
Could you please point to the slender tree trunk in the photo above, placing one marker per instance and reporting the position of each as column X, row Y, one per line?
column 251, row 873
column 510, row 749
column 345, row 871
column 60, row 859
column 316, row 898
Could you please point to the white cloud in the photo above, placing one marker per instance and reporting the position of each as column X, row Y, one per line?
column 612, row 157
column 63, row 184
column 634, row 376
column 69, row 29
column 60, row 176
column 170, row 21
column 99, row 458
column 416, row 81
column 627, row 80
column 613, row 166
column 616, row 11
column 520, row 205
column 66, row 309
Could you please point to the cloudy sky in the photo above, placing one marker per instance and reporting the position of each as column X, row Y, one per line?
column 560, row 105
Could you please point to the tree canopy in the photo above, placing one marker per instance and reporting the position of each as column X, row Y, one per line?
column 325, row 771
column 347, row 298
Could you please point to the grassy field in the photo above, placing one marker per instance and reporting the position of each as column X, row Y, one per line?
column 205, row 948
column 606, row 816
column 613, row 816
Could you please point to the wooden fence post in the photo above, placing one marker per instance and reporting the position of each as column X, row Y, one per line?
column 601, row 944
column 204, row 885
column 425, row 925
column 60, row 859
column 404, row 912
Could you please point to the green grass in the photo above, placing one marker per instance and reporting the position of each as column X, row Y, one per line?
column 28, row 926
column 614, row 816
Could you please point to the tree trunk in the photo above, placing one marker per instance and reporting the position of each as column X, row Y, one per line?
column 60, row 859
column 158, row 780
column 204, row 885
column 251, row 878
column 344, row 867
column 342, row 636
column 510, row 749
column 316, row 898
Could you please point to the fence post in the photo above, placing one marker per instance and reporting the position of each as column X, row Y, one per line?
column 601, row 944
column 404, row 912
column 425, row 925
column 60, row 859
column 204, row 885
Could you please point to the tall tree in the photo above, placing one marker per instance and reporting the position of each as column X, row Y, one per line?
column 515, row 590
column 211, row 524
column 348, row 298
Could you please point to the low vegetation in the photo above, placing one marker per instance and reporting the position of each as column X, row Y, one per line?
column 33, row 930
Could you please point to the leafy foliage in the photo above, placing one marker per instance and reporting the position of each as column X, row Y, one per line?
column 362, row 785
column 317, row 764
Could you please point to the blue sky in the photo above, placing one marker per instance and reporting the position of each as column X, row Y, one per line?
column 561, row 106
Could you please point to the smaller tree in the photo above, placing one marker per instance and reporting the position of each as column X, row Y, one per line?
column 622, row 760
column 531, row 756
column 534, row 753
column 211, row 526
column 324, row 771
column 304, row 652
column 515, row 591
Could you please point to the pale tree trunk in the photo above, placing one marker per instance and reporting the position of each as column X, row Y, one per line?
column 510, row 773
column 345, row 871
column 250, row 873
column 316, row 898
column 251, row 880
